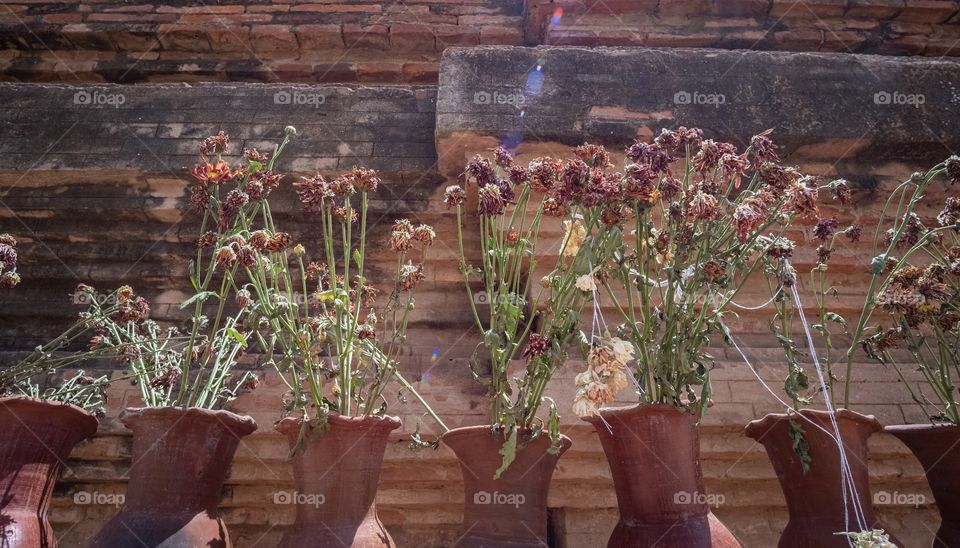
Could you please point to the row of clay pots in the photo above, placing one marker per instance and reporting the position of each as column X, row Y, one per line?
column 181, row 457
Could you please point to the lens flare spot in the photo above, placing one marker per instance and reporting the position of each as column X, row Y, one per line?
column 436, row 354
column 557, row 15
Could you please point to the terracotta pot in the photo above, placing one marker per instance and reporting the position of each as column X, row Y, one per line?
column 815, row 501
column 510, row 511
column 654, row 457
column 937, row 447
column 179, row 462
column 36, row 436
column 336, row 478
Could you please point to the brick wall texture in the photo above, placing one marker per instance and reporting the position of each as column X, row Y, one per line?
column 93, row 182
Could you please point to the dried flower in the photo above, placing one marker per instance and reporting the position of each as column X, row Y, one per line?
column 255, row 155
column 454, row 196
column 424, row 234
column 479, row 170
column 519, row 175
column 279, row 242
column 586, row 283
column 299, row 250
column 491, row 200
column 543, row 174
column 802, row 199
column 780, row 248
column 8, row 257
column 538, row 344
column 215, row 144
column 555, row 208
column 825, row 228
column 502, row 157
column 411, row 275
column 9, row 279
column 7, row 239
column 953, row 169
column 703, row 206
column 243, row 298
column 226, row 256
column 212, row 173
column 853, row 232
column 749, row 217
column 207, row 239
column 365, row 179
column 401, row 236
column 950, row 216
column 764, row 150
column 593, row 155
column 314, row 193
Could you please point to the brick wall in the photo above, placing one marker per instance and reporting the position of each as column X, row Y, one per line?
column 95, row 190
column 322, row 41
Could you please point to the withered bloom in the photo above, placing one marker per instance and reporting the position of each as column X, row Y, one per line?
column 733, row 165
column 950, row 216
column 424, row 234
column 652, row 155
column 454, row 196
column 825, row 228
column 802, row 199
column 593, row 155
column 670, row 188
column 215, row 144
column 9, row 279
column 780, row 248
column 714, row 270
column 8, row 257
column 243, row 298
column 841, row 189
column 764, row 150
column 479, row 170
column 914, row 230
column 777, row 176
column 410, row 276
column 853, row 232
column 491, row 200
column 212, row 173
column 255, row 155
column 226, row 256
column 953, row 169
column 502, row 157
column 538, row 344
column 279, row 242
column 519, row 175
column 749, row 217
column 708, row 157
column 259, row 239
column 314, row 192
column 340, row 212
column 7, row 239
column 401, row 236
column 703, row 206
column 506, row 190
column 555, row 208
column 612, row 215
column 365, row 179
column 823, row 254
column 316, row 270
column 543, row 173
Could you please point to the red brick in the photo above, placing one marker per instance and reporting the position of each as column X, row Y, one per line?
column 874, row 9
column 336, row 8
column 740, row 7
column 928, row 11
column 270, row 38
column 319, row 37
column 421, row 72
column 379, row 72
column 692, row 40
column 798, row 40
column 684, row 7
column 503, row 36
column 62, row 18
column 206, row 8
column 131, row 18
column 366, row 37
column 455, row 35
column 229, row 38
column 405, row 36
column 807, row 9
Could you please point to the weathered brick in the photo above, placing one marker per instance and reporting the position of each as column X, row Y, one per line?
column 928, row 11
column 404, row 36
column 271, row 38
column 319, row 37
column 366, row 37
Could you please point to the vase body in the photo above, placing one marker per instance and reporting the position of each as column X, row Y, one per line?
column 179, row 462
column 336, row 477
column 815, row 500
column 654, row 456
column 937, row 447
column 36, row 437
column 511, row 511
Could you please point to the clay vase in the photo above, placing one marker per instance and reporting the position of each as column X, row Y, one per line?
column 815, row 502
column 36, row 436
column 336, row 477
column 511, row 511
column 654, row 456
column 937, row 447
column 179, row 462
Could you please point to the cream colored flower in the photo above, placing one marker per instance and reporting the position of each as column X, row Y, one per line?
column 623, row 349
column 583, row 407
column 586, row 283
column 574, row 236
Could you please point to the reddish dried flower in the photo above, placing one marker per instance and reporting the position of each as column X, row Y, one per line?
column 543, row 173
column 502, row 157
column 8, row 257
column 692, row 137
column 506, row 190
column 780, row 248
column 365, row 179
column 948, row 321
column 538, row 344
column 340, row 213
column 825, row 228
column 9, row 279
column 555, row 208
column 704, row 206
column 749, row 217
column 708, row 157
column 841, row 190
column 215, row 144
column 640, row 184
column 133, row 309
column 7, row 239
column 823, row 254
column 853, row 232
column 593, row 155
column 207, row 239
column 667, row 140
column 410, row 276
column 246, row 256
column 802, row 199
column 777, row 176
column 914, row 230
column 254, row 189
column 950, row 216
column 714, row 270
column 314, row 193
column 424, row 234
column 226, row 256
column 167, row 380
column 479, row 170
column 366, row 332
column 259, row 239
column 401, row 237
column 612, row 215
column 128, row 354
column 454, row 196
column 670, row 188
column 316, row 270
column 255, row 155
column 519, row 175
column 733, row 166
column 574, row 177
column 491, row 200
column 513, row 237
column 212, row 173
column 279, row 242
column 764, row 150
column 342, row 186
column 651, row 155
column 236, row 199
column 243, row 298
column 953, row 169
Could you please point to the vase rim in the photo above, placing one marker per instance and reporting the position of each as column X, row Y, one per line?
column 758, row 427
column 895, row 428
column 633, row 409
column 384, row 422
column 241, row 425
column 475, row 430
column 89, row 422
